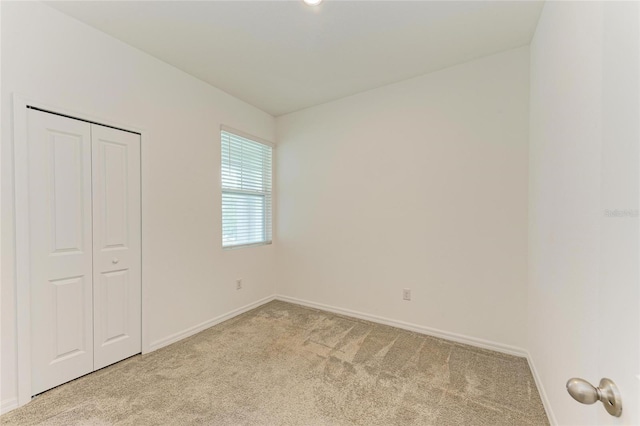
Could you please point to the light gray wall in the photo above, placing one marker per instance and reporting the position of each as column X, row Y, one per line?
column 420, row 184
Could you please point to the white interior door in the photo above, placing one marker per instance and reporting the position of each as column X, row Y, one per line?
column 60, row 249
column 116, row 244
column 619, row 293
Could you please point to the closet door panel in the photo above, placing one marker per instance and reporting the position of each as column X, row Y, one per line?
column 116, row 245
column 60, row 225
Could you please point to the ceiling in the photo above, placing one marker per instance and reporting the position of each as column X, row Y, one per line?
column 282, row 56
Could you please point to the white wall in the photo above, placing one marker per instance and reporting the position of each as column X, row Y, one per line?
column 583, row 266
column 54, row 59
column 420, row 184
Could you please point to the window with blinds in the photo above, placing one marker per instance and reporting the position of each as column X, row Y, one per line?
column 246, row 191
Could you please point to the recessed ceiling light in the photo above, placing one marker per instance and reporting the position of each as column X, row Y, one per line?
column 313, row 2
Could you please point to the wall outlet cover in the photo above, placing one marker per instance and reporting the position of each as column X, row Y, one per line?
column 406, row 294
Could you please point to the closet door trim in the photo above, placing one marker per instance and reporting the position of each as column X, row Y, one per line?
column 22, row 231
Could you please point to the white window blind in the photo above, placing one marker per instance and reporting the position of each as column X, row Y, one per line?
column 246, row 191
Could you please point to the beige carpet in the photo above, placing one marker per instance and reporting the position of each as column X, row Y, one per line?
column 282, row 364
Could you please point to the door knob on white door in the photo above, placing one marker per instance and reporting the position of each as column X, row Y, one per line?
column 584, row 392
column 115, row 260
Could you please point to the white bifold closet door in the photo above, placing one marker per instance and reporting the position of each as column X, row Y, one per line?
column 84, row 204
column 61, row 249
column 116, row 245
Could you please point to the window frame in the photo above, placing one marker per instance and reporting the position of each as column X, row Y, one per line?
column 267, row 212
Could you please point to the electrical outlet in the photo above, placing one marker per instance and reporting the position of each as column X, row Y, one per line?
column 406, row 293
column 239, row 284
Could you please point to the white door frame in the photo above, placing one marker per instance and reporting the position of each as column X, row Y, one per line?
column 21, row 210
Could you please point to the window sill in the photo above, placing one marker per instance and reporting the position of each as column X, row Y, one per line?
column 265, row 243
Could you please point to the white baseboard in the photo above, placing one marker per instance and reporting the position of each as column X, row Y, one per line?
column 459, row 338
column 8, row 405
column 165, row 341
column 543, row 395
